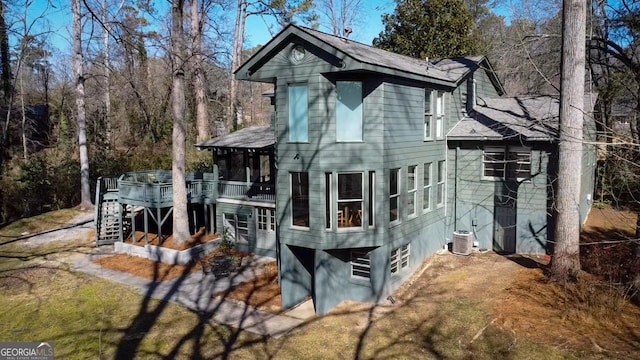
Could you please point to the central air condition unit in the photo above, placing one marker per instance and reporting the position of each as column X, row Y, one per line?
column 462, row 242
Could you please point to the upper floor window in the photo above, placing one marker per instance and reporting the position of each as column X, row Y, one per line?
column 412, row 187
column 428, row 115
column 439, row 114
column 298, row 113
column 426, row 183
column 394, row 195
column 433, row 114
column 349, row 111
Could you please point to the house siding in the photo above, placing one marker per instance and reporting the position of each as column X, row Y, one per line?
column 474, row 198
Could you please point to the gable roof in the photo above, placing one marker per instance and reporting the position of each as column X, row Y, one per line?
column 531, row 118
column 254, row 137
column 447, row 72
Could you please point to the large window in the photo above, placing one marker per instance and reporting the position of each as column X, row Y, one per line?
column 441, row 177
column 300, row 199
column 298, row 113
column 349, row 111
column 399, row 259
column 350, row 199
column 394, row 195
column 439, row 111
column 360, row 265
column 426, row 184
column 412, row 190
column 428, row 115
column 500, row 162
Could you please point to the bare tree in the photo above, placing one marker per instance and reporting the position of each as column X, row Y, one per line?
column 199, row 81
column 566, row 257
column 180, row 217
column 78, row 67
column 340, row 14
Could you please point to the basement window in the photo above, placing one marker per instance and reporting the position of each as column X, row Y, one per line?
column 360, row 265
column 399, row 259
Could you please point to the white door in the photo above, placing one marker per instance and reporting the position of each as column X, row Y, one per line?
column 266, row 228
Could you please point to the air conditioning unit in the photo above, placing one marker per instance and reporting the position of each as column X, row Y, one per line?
column 462, row 242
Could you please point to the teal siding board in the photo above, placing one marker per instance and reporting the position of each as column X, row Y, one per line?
column 475, row 198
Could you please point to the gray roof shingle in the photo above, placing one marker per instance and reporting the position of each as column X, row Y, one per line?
column 533, row 118
column 255, row 137
column 450, row 69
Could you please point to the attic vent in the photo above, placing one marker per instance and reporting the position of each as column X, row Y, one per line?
column 462, row 242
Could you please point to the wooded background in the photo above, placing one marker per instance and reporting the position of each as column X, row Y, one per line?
column 126, row 68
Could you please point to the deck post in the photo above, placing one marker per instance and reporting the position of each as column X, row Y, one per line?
column 146, row 225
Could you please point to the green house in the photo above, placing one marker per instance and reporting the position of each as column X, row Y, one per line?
column 382, row 160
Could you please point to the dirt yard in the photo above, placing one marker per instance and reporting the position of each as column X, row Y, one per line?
column 483, row 306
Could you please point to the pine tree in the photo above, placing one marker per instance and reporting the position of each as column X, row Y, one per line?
column 429, row 28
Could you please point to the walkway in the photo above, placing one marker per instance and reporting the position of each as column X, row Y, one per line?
column 194, row 291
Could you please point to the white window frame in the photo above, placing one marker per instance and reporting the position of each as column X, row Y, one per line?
column 510, row 162
column 266, row 219
column 361, row 200
column 495, row 164
column 399, row 259
column 441, row 193
column 412, row 192
column 360, row 264
column 515, row 162
column 427, row 169
column 428, row 115
column 395, row 172
column 439, row 114
column 372, row 200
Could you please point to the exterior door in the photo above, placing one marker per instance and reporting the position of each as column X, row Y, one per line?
column 504, row 236
column 265, row 228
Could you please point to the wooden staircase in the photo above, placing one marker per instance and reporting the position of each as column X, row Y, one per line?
column 109, row 212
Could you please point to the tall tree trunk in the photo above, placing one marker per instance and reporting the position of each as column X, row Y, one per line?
column 85, row 194
column 565, row 263
column 5, row 76
column 180, row 216
column 236, row 57
column 107, row 76
column 25, row 149
column 199, row 82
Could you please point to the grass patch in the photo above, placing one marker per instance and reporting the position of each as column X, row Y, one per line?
column 39, row 223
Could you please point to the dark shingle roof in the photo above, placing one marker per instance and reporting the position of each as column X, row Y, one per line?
column 451, row 69
column 255, row 137
column 533, row 118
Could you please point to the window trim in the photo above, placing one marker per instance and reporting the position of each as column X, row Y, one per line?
column 362, row 202
column 412, row 192
column 289, row 123
column 509, row 162
column 292, row 225
column 426, row 188
column 361, row 113
column 439, row 115
column 360, row 259
column 395, row 172
column 400, row 259
column 441, row 184
column 371, row 206
column 428, row 115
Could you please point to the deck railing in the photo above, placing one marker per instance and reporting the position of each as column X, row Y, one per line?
column 156, row 188
column 244, row 190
